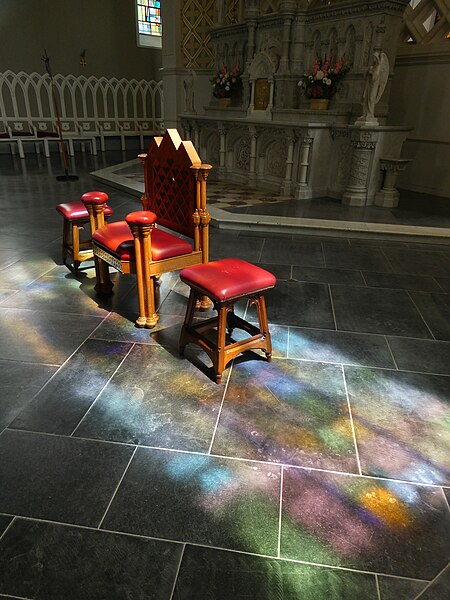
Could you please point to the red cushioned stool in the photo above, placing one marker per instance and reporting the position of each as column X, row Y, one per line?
column 224, row 282
column 76, row 217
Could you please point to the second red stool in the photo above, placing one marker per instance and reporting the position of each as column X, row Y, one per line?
column 76, row 216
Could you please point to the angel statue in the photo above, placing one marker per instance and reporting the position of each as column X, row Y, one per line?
column 376, row 81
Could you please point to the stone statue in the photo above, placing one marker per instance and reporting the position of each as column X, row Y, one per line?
column 376, row 81
column 188, row 84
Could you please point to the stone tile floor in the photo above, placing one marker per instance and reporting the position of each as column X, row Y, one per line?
column 125, row 472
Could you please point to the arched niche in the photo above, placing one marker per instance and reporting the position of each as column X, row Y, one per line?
column 261, row 79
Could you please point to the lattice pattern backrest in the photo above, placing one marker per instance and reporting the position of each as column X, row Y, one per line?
column 171, row 187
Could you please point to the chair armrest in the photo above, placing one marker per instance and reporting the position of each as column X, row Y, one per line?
column 141, row 217
column 94, row 198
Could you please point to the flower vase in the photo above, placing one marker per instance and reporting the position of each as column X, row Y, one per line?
column 319, row 103
column 224, row 102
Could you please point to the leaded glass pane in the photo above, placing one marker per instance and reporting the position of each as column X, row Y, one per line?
column 149, row 17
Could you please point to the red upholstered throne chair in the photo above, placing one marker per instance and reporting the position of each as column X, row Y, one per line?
column 175, row 199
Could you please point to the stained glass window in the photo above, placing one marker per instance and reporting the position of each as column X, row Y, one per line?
column 149, row 24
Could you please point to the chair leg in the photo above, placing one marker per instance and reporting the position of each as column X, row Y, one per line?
column 20, row 147
column 103, row 285
column 71, row 148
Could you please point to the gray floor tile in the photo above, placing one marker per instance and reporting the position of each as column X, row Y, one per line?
column 53, row 294
column 280, row 271
column 42, row 337
column 123, row 329
column 398, row 433
column 367, row 258
column 371, row 310
column 58, row 478
column 61, row 404
column 287, row 411
column 342, row 276
column 23, row 272
column 444, row 283
column 400, row 281
column 224, row 575
column 435, row 309
column 426, row 356
column 299, row 304
column 207, row 500
column 34, row 559
column 340, row 347
column 439, row 589
column 393, row 588
column 228, row 247
column 345, row 521
column 293, row 252
column 418, row 262
column 5, row 520
column 19, row 382
column 6, row 294
column 156, row 399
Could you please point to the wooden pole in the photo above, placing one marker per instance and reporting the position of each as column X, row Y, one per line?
column 66, row 176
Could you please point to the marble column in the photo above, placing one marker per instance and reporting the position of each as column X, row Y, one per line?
column 303, row 189
column 356, row 190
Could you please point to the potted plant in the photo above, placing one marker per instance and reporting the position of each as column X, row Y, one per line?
column 323, row 82
column 225, row 83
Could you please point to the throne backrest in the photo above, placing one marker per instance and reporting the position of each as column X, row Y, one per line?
column 171, row 190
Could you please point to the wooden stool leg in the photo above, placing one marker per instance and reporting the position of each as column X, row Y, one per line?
column 264, row 325
column 189, row 317
column 66, row 240
column 219, row 363
column 76, row 247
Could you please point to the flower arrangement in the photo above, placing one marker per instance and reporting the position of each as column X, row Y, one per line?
column 323, row 81
column 225, row 82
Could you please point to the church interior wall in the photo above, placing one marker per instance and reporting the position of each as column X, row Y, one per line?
column 106, row 29
column 420, row 97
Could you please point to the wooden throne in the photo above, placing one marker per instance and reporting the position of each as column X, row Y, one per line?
column 175, row 200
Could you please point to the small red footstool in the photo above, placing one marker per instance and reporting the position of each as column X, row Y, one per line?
column 224, row 282
column 76, row 216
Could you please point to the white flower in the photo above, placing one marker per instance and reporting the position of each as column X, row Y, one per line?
column 319, row 75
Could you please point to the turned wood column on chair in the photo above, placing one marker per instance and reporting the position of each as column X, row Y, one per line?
column 95, row 202
column 141, row 223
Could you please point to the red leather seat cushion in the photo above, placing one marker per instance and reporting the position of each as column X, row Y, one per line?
column 77, row 210
column 22, row 133
column 117, row 239
column 4, row 135
column 228, row 278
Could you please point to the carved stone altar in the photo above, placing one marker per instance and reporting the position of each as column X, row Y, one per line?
column 273, row 139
